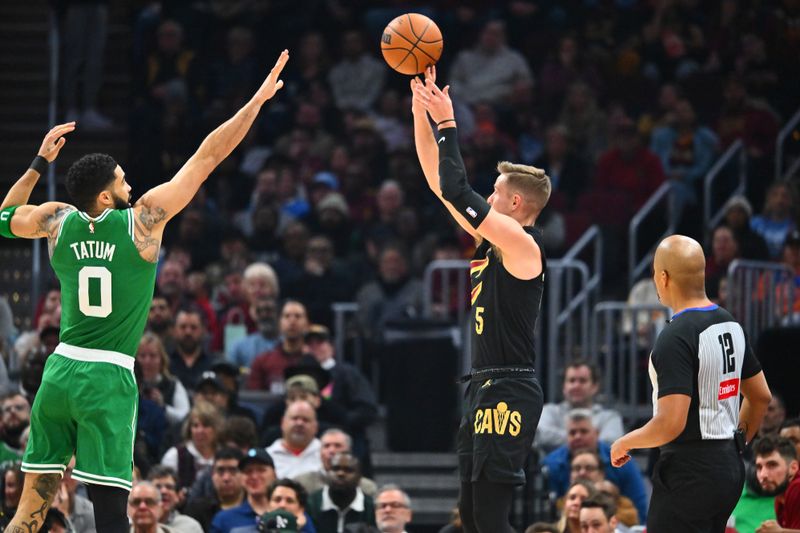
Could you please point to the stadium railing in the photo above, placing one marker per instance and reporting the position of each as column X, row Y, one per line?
column 637, row 265
column 761, row 295
column 787, row 131
column 736, row 156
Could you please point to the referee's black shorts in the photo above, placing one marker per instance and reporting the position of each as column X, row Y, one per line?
column 501, row 412
column 696, row 486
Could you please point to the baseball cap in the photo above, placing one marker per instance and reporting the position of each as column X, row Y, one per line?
column 278, row 520
column 225, row 368
column 256, row 455
column 303, row 381
column 210, row 378
column 318, row 331
column 327, row 179
column 741, row 202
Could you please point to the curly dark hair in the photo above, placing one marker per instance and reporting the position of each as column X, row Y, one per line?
column 88, row 177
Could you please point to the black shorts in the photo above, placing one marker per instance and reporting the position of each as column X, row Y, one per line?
column 696, row 485
column 497, row 428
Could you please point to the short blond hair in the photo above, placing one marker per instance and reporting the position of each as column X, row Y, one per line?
column 530, row 182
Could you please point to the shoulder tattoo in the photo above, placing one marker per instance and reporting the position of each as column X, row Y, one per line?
column 48, row 225
column 144, row 222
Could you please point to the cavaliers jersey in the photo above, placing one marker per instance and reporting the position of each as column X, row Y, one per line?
column 703, row 353
column 504, row 309
column 106, row 286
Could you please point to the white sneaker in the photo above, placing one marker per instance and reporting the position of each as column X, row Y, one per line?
column 92, row 119
column 72, row 115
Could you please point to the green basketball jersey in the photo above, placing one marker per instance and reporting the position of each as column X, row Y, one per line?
column 106, row 286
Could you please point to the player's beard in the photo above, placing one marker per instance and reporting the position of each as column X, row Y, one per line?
column 119, row 202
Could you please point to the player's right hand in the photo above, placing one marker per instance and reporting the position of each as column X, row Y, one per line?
column 273, row 83
column 54, row 141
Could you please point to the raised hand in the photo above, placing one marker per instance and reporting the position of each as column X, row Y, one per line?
column 273, row 83
column 54, row 141
column 436, row 101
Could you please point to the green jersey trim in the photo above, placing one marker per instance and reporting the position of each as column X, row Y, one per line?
column 93, row 355
column 100, row 218
column 101, row 480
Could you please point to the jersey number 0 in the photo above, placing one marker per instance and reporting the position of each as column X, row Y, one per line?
column 104, row 276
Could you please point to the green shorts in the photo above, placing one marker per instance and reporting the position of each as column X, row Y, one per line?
column 87, row 409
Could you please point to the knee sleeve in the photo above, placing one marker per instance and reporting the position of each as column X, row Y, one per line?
column 110, row 508
column 491, row 506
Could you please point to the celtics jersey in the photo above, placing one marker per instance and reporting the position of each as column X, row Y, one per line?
column 106, row 286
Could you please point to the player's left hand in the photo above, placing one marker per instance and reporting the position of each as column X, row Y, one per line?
column 54, row 141
column 619, row 453
column 769, row 526
column 272, row 84
column 436, row 101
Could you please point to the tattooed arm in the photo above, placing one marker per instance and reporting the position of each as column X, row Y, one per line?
column 148, row 229
column 167, row 200
column 36, row 221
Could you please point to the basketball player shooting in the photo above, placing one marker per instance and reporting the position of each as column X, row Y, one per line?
column 104, row 253
column 503, row 399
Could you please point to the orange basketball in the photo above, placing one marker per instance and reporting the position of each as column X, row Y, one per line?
column 411, row 43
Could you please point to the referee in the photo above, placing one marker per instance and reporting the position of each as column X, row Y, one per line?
column 700, row 364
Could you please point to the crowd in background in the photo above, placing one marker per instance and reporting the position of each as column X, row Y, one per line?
column 324, row 202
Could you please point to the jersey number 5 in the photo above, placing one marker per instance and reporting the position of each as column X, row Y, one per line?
column 728, row 361
column 479, row 320
column 102, row 274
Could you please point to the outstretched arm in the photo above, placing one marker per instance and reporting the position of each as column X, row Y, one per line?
column 20, row 192
column 168, row 199
column 428, row 150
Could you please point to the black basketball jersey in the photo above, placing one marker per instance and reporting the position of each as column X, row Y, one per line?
column 703, row 353
column 504, row 310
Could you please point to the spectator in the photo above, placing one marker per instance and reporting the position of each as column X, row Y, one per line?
column 16, row 417
column 321, row 282
column 289, row 496
column 161, row 322
column 395, row 295
column 258, row 472
column 144, row 509
column 243, row 351
column 581, row 433
column 228, row 492
column 687, row 151
column 597, row 515
column 357, row 80
column 561, row 70
column 165, row 480
column 487, row 73
column 776, row 221
column 628, row 169
column 774, row 417
column 341, row 502
column 159, row 386
column 298, row 450
column 196, row 454
column 151, row 423
column 754, row 506
column 333, row 441
column 259, row 282
column 581, row 385
column 190, row 359
column 348, row 388
column 85, row 32
column 213, row 389
column 78, row 509
column 742, row 117
column 776, row 468
column 577, row 493
column 268, row 368
column 586, row 465
column 790, row 430
column 566, row 169
column 332, row 220
column 724, row 249
column 392, row 509
column 585, row 121
column 13, row 479
column 738, row 213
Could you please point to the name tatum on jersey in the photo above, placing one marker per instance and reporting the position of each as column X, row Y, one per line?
column 93, row 250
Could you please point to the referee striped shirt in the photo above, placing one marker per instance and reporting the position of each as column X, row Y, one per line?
column 703, row 353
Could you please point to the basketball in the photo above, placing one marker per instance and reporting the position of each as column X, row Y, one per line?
column 411, row 43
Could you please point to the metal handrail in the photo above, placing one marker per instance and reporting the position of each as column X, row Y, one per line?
column 737, row 148
column 760, row 278
column 340, row 312
column 782, row 135
column 634, row 268
column 459, row 265
column 593, row 235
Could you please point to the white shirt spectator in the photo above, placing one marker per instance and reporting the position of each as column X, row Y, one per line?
column 288, row 464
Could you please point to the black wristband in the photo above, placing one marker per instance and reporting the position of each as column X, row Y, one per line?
column 447, row 120
column 39, row 164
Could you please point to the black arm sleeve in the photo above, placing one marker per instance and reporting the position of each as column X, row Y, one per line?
column 453, row 180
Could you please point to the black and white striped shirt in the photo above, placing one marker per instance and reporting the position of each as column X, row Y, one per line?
column 703, row 353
